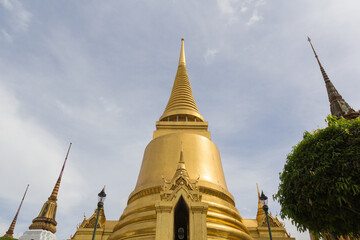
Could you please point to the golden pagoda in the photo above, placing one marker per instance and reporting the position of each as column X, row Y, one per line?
column 170, row 201
column 43, row 227
column 181, row 192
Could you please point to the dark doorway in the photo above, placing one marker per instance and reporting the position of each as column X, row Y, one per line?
column 181, row 220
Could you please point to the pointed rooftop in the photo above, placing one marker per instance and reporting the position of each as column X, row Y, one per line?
column 260, row 215
column 181, row 168
column 46, row 218
column 338, row 106
column 10, row 232
column 90, row 223
column 181, row 105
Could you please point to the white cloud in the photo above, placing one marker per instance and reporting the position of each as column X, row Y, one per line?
column 228, row 8
column 31, row 152
column 102, row 113
column 210, row 55
column 7, row 36
column 255, row 17
column 243, row 9
column 235, row 10
column 17, row 18
column 7, row 4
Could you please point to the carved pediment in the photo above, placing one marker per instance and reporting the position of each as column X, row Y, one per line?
column 90, row 223
column 274, row 222
column 180, row 180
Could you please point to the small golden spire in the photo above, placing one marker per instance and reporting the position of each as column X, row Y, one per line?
column 181, row 168
column 46, row 218
column 181, row 164
column 10, row 232
column 181, row 154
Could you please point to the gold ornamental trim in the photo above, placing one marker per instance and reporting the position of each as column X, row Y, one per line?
column 213, row 192
column 136, row 220
column 158, row 189
column 227, row 221
column 137, row 210
column 138, row 233
column 143, row 193
column 224, row 210
column 227, row 233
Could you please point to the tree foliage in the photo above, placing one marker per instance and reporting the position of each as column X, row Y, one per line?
column 320, row 184
column 7, row 238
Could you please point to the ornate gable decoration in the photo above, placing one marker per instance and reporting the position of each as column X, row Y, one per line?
column 274, row 222
column 180, row 180
column 90, row 223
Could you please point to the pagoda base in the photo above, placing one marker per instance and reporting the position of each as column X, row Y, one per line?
column 38, row 234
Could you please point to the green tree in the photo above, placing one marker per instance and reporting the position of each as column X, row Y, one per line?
column 7, row 238
column 320, row 185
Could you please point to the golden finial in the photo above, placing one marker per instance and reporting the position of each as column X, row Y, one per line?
column 181, row 154
column 10, row 232
column 182, row 53
column 258, row 191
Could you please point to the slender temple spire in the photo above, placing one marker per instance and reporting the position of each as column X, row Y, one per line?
column 10, row 232
column 181, row 105
column 46, row 218
column 338, row 106
column 55, row 191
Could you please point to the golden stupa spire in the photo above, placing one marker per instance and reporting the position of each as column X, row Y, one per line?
column 338, row 106
column 46, row 218
column 10, row 232
column 55, row 191
column 181, row 105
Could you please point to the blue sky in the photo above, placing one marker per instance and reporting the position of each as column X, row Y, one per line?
column 99, row 74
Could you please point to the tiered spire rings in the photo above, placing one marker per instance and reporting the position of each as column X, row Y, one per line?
column 338, row 106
